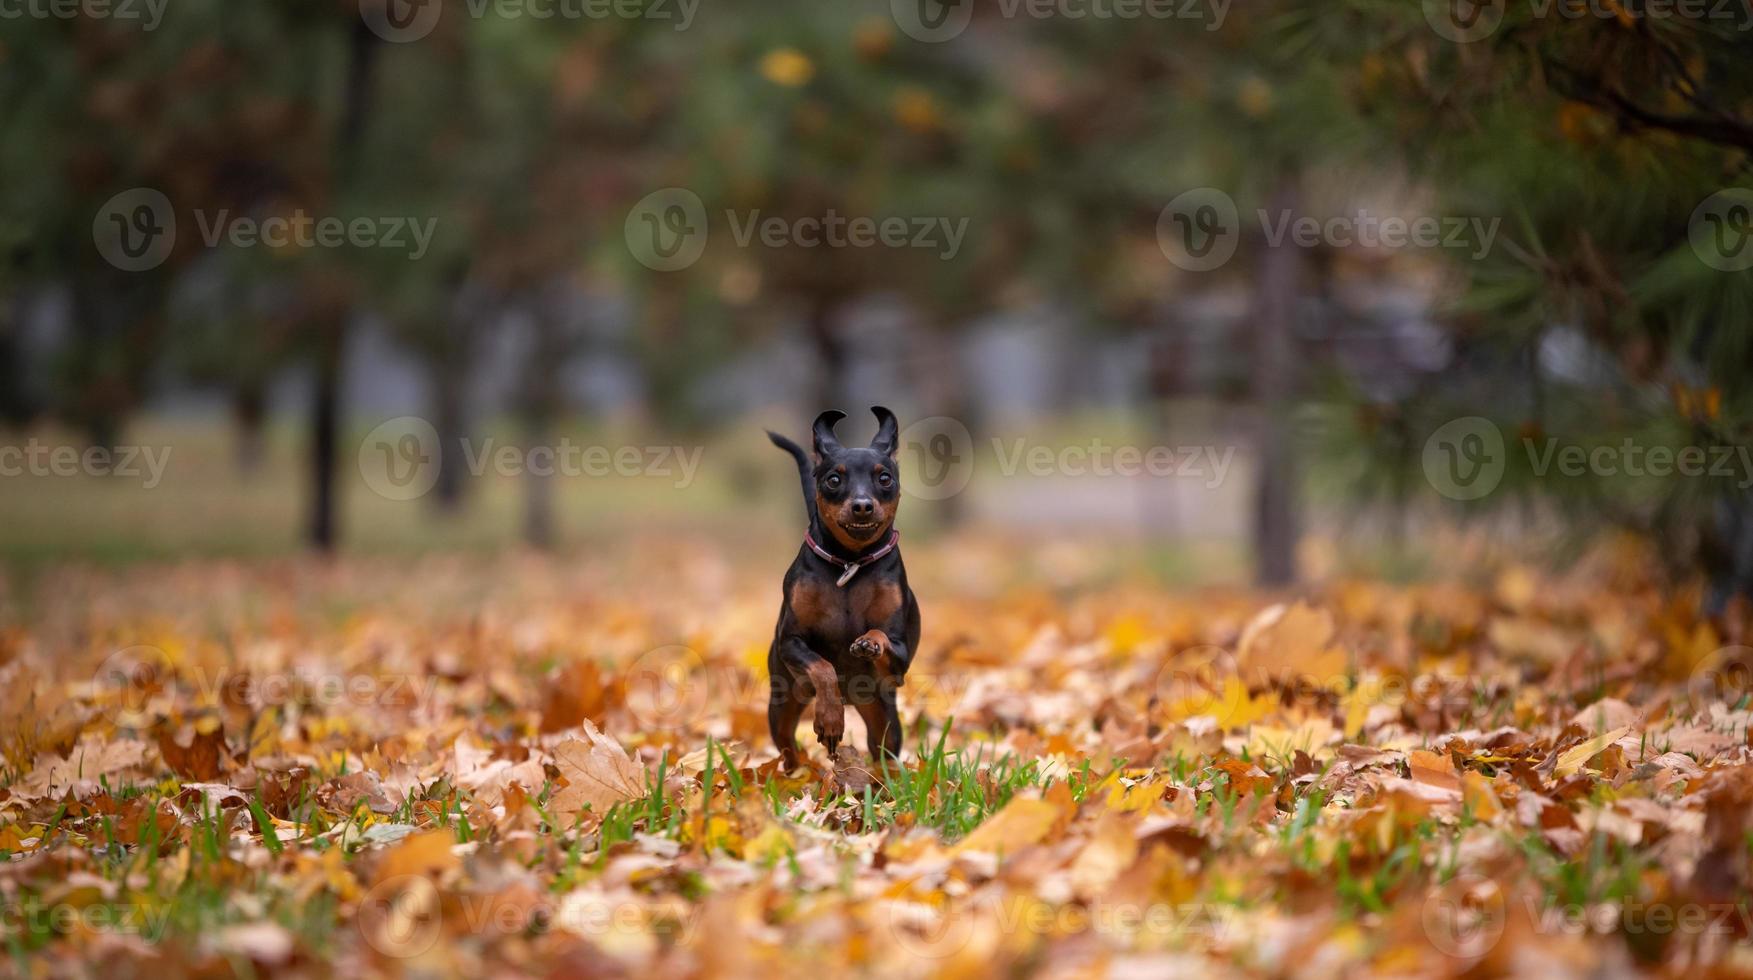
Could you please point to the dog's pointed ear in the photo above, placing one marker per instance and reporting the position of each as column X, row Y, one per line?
column 888, row 431
column 823, row 430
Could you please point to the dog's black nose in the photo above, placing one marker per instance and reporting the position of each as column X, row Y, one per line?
column 863, row 507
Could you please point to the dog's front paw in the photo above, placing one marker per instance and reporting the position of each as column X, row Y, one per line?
column 871, row 646
column 830, row 723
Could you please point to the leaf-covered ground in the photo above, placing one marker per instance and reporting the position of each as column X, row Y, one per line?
column 469, row 767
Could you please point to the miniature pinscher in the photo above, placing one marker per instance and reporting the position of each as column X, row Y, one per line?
column 848, row 625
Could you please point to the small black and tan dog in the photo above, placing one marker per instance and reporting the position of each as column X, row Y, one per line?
column 849, row 625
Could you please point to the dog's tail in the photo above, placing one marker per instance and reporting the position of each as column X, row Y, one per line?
column 803, row 467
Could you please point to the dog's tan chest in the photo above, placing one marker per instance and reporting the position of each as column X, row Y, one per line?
column 841, row 614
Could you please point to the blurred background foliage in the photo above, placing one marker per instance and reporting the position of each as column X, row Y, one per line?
column 1589, row 132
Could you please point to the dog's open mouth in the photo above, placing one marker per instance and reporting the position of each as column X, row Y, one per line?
column 860, row 529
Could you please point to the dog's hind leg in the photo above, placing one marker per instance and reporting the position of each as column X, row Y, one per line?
column 784, row 708
column 883, row 723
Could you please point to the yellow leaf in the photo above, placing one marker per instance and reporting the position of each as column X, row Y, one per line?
column 1125, row 633
column 787, row 66
column 1312, row 736
column 1479, row 797
column 917, row 110
column 1136, row 798
column 1574, row 757
column 1255, row 96
column 1021, row 823
column 424, row 854
column 770, row 844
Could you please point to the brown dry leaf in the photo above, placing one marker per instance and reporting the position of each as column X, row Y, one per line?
column 196, row 750
column 1572, row 759
column 574, row 694
column 1432, row 769
column 90, row 759
column 1111, row 850
column 345, row 794
column 426, row 855
column 1605, row 714
column 1023, row 821
column 1246, row 778
column 1291, row 643
column 598, row 774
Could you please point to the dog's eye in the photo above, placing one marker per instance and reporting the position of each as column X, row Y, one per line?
column 884, row 480
column 832, row 482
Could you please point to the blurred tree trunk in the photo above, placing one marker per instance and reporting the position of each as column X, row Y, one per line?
column 249, row 410
column 945, row 387
column 1166, row 379
column 325, row 414
column 450, row 375
column 541, row 406
column 325, row 435
column 1276, row 501
column 1727, row 551
column 829, row 387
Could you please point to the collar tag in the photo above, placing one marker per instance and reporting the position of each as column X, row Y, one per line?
column 851, row 567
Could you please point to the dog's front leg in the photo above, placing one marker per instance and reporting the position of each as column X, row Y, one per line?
column 813, row 675
column 889, row 657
